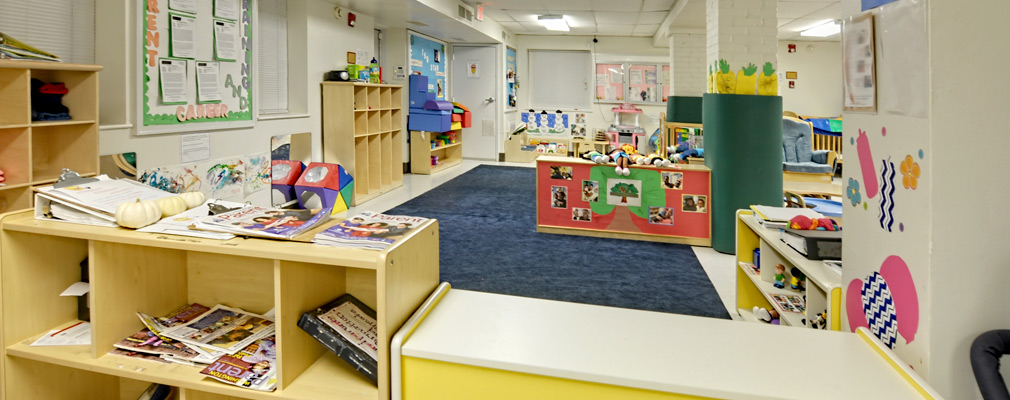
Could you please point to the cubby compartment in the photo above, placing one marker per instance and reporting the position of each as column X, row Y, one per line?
column 349, row 133
column 15, row 198
column 134, row 272
column 15, row 97
column 55, row 147
column 421, row 152
column 396, row 97
column 82, row 90
column 14, row 156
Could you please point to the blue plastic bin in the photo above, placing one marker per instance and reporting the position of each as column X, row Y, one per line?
column 429, row 120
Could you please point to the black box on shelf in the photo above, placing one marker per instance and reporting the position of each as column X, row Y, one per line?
column 346, row 327
column 815, row 245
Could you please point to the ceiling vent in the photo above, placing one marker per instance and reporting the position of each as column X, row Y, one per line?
column 465, row 13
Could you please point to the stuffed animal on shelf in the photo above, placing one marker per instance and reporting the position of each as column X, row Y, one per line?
column 799, row 280
column 780, row 276
column 807, row 223
column 682, row 151
column 820, row 321
column 621, row 156
column 766, row 315
column 654, row 159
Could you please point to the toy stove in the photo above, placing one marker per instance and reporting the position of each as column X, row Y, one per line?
column 626, row 127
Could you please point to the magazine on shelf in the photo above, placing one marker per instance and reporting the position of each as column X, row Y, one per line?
column 275, row 223
column 181, row 316
column 368, row 230
column 222, row 328
column 139, row 355
column 253, row 367
column 790, row 303
column 179, row 224
column 146, row 341
column 346, row 327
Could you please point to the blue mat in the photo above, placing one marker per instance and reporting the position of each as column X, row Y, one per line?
column 489, row 243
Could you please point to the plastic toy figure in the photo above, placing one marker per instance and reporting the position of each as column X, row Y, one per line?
column 766, row 315
column 621, row 157
column 780, row 276
column 799, row 280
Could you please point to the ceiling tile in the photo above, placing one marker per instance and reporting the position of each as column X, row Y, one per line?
column 512, row 26
column 524, row 15
column 614, row 30
column 658, row 5
column 798, row 9
column 616, row 17
column 833, row 11
column 578, row 18
column 654, row 17
column 617, row 5
column 644, row 29
column 522, row 5
column 498, row 15
column 569, row 5
column 534, row 27
column 583, row 30
column 800, row 24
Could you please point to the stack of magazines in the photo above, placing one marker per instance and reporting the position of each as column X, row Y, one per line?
column 275, row 223
column 14, row 49
column 368, row 230
column 237, row 346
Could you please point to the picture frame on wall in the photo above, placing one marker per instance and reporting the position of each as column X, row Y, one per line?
column 858, row 65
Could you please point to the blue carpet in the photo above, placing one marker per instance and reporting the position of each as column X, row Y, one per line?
column 489, row 243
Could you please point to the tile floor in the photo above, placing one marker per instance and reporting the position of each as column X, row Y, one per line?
column 718, row 266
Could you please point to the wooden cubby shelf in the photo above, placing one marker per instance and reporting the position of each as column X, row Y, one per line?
column 32, row 153
column 132, row 272
column 421, row 152
column 362, row 132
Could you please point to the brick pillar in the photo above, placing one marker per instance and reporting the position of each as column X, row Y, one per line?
column 688, row 60
column 741, row 32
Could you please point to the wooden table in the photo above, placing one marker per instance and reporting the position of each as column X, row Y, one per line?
column 813, row 188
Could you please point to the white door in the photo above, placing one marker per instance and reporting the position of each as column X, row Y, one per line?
column 475, row 84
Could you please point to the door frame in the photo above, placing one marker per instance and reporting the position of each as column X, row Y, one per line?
column 499, row 105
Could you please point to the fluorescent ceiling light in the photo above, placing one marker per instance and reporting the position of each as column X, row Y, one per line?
column 823, row 30
column 554, row 22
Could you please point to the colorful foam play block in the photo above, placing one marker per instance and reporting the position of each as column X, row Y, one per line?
column 440, row 105
column 418, row 90
column 456, row 125
column 283, row 175
column 329, row 182
column 466, row 119
column 457, row 117
column 428, row 120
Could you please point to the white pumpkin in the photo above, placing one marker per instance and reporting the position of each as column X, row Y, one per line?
column 193, row 199
column 171, row 205
column 137, row 214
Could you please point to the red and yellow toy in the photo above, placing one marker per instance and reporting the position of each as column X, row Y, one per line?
column 807, row 223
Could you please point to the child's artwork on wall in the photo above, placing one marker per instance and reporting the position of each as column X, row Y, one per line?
column 174, row 178
column 257, row 172
column 547, row 123
column 225, row 178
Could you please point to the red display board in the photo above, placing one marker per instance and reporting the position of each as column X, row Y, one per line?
column 658, row 204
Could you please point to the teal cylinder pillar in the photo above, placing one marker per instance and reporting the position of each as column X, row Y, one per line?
column 743, row 148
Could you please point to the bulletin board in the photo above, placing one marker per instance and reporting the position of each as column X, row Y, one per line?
column 666, row 82
column 427, row 57
column 510, row 78
column 579, row 197
column 546, row 122
column 643, row 83
column 610, row 83
column 196, row 65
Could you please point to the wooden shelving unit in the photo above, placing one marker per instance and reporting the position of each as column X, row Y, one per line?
column 421, row 152
column 33, row 153
column 137, row 272
column 823, row 286
column 363, row 132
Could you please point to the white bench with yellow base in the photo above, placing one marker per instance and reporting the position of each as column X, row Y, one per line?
column 471, row 345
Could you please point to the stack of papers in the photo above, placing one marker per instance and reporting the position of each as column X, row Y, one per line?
column 778, row 217
column 91, row 203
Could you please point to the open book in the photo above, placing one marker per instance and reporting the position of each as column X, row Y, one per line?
column 275, row 223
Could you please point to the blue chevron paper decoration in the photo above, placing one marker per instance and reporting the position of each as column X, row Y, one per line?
column 878, row 305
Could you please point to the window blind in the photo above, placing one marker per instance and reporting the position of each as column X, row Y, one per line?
column 560, row 79
column 65, row 28
column 272, row 64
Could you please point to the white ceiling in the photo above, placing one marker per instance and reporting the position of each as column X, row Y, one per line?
column 645, row 17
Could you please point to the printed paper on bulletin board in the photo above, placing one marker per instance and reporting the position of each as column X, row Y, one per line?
column 218, row 95
column 427, row 57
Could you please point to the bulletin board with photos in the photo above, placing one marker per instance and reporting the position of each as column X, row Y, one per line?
column 196, row 65
column 632, row 82
column 580, row 197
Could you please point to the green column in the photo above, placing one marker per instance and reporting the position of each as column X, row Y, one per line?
column 743, row 148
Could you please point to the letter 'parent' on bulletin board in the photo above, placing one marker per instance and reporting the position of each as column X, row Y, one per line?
column 196, row 65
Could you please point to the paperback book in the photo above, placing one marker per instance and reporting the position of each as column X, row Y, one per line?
column 368, row 230
column 275, row 223
column 346, row 327
column 253, row 367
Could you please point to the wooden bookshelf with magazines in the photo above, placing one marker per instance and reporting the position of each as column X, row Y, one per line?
column 134, row 272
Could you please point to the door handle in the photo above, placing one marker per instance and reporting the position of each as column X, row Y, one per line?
column 489, row 100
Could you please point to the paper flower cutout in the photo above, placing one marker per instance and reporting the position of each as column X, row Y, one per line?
column 852, row 192
column 910, row 173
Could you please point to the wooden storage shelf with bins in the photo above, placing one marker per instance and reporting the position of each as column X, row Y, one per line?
column 823, row 289
column 421, row 153
column 134, row 272
column 363, row 132
column 33, row 153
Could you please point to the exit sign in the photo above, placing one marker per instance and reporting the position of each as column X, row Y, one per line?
column 480, row 12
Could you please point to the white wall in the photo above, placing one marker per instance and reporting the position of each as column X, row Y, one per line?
column 689, row 72
column 317, row 43
column 818, row 90
column 609, row 48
